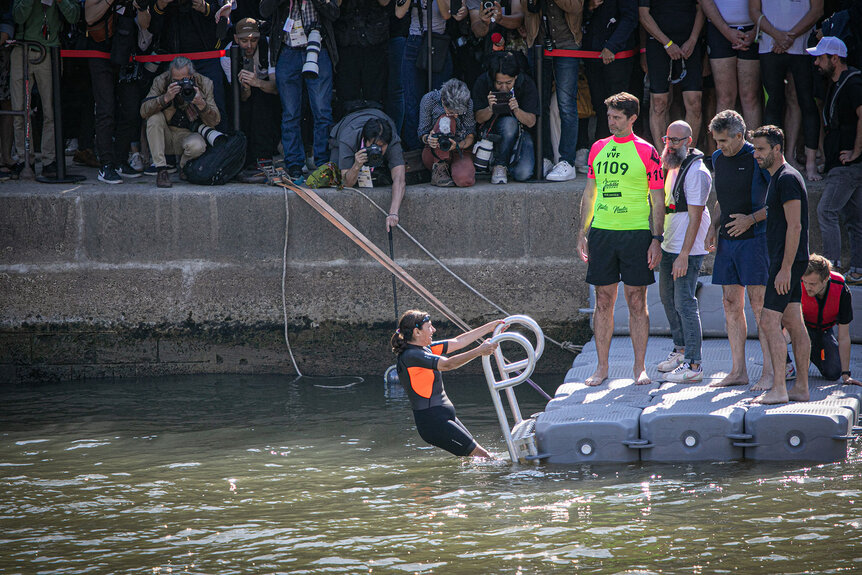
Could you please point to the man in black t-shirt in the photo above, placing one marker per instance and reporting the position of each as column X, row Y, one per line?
column 673, row 57
column 842, row 116
column 787, row 243
column 507, row 108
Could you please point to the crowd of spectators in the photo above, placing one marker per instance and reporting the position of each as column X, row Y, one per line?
column 309, row 65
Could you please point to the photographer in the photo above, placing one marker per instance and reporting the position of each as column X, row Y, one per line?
column 446, row 127
column 556, row 25
column 259, row 107
column 302, row 43
column 184, row 26
column 506, row 106
column 363, row 143
column 178, row 99
column 112, row 27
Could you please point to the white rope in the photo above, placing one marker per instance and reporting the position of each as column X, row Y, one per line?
column 566, row 345
column 284, row 282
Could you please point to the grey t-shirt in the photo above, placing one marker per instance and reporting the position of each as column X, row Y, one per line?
column 345, row 139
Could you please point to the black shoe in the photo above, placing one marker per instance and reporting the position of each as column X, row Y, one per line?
column 127, row 171
column 109, row 175
column 295, row 174
column 151, row 170
column 172, row 169
column 50, row 170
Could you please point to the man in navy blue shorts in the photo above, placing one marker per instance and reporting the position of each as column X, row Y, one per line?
column 738, row 236
column 787, row 241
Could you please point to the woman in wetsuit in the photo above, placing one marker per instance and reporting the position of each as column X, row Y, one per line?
column 420, row 363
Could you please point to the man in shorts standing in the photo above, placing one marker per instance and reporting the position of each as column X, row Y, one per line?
column 615, row 240
column 787, row 240
column 738, row 236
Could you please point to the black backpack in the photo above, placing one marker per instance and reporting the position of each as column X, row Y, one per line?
column 220, row 163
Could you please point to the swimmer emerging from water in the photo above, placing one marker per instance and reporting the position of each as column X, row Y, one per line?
column 420, row 363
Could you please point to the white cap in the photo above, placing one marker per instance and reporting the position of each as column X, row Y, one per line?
column 829, row 45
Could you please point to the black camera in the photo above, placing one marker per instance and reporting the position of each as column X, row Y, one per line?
column 187, row 89
column 446, row 141
column 374, row 155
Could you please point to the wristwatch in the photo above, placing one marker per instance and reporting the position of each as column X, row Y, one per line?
column 659, row 237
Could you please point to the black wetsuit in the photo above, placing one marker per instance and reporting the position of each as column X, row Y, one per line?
column 433, row 412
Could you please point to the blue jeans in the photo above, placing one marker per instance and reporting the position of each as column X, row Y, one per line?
column 565, row 72
column 522, row 164
column 212, row 69
column 288, row 76
column 414, row 81
column 395, row 90
column 680, row 305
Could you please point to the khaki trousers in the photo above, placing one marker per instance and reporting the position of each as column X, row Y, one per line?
column 40, row 74
column 165, row 139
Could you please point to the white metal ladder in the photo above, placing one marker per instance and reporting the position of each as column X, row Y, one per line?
column 520, row 440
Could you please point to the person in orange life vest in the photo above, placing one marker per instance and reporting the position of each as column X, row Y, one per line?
column 826, row 301
column 420, row 363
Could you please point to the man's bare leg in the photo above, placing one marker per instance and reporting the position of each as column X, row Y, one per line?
column 737, row 332
column 770, row 321
column 725, row 76
column 750, row 91
column 792, row 320
column 603, row 328
column 639, row 328
column 659, row 117
column 755, row 297
column 693, row 112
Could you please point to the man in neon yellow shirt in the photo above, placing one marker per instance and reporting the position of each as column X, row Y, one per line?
column 615, row 238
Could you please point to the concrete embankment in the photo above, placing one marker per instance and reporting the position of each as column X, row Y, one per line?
column 102, row 281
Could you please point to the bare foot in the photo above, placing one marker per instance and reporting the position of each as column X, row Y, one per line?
column 764, row 383
column 597, row 378
column 771, row 397
column 811, row 172
column 794, row 394
column 642, row 378
column 731, row 379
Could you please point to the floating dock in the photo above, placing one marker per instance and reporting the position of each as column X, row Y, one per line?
column 619, row 421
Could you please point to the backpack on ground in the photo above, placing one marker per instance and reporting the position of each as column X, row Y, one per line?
column 220, row 163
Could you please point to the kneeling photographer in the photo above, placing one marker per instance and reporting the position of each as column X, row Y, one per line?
column 506, row 104
column 364, row 144
column 446, row 127
column 178, row 100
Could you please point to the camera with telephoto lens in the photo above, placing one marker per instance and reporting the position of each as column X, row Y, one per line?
column 187, row 89
column 211, row 135
column 374, row 155
column 483, row 151
column 312, row 52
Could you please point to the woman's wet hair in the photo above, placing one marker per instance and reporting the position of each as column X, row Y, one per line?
column 819, row 265
column 410, row 320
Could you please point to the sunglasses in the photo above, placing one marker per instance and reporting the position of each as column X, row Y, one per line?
column 425, row 319
column 682, row 73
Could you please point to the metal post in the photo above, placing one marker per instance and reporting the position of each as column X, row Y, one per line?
column 59, row 142
column 429, row 38
column 234, row 79
column 538, row 52
column 27, row 173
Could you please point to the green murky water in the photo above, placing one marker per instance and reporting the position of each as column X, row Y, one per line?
column 240, row 474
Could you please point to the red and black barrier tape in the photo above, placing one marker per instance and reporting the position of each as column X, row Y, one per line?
column 561, row 53
column 143, row 58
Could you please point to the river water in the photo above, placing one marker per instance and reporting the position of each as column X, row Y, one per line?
column 262, row 474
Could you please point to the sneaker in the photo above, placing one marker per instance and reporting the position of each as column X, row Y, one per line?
column 581, row 157
column 499, row 175
column 85, row 157
column 789, row 371
column 172, row 168
column 49, row 170
column 684, row 373
column 562, row 172
column 295, row 174
column 547, row 166
column 673, row 360
column 5, row 173
column 853, row 279
column 440, row 175
column 136, row 161
column 109, row 175
column 163, row 179
column 127, row 171
column 71, row 146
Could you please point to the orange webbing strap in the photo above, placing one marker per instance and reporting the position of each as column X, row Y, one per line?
column 337, row 220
